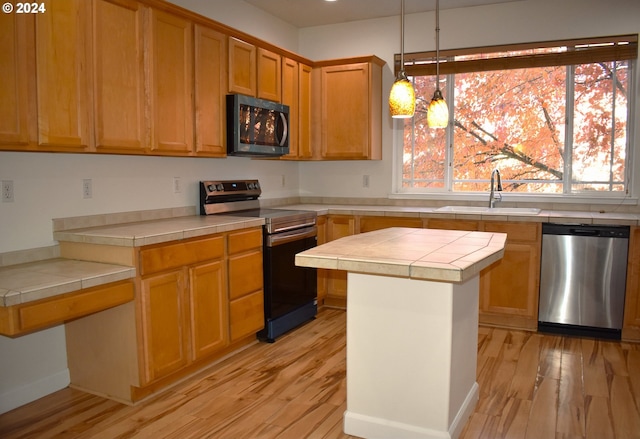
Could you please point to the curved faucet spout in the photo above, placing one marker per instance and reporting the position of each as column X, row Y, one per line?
column 494, row 195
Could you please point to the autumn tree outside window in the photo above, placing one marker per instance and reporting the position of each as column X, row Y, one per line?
column 554, row 117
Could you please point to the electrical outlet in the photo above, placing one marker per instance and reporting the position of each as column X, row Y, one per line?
column 177, row 185
column 87, row 188
column 7, row 191
column 365, row 181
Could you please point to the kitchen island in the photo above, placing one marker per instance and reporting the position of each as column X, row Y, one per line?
column 412, row 325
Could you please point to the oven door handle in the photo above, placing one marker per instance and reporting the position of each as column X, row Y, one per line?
column 295, row 226
column 294, row 235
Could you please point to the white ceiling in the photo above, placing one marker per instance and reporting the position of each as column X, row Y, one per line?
column 306, row 13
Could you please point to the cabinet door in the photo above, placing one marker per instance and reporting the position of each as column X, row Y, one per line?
column 631, row 327
column 242, row 67
column 345, row 111
column 164, row 334
column 323, row 274
column 453, row 224
column 337, row 227
column 304, row 111
column 290, row 97
column 208, row 309
column 269, row 71
column 118, row 48
column 370, row 223
column 210, row 91
column 14, row 71
column 171, row 84
column 63, row 72
column 509, row 288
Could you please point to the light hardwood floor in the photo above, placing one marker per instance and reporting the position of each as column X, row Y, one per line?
column 531, row 386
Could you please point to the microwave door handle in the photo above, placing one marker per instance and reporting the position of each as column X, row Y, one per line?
column 285, row 130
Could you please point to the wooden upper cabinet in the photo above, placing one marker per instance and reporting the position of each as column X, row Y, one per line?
column 14, row 71
column 242, row 67
column 350, row 111
column 304, row 111
column 290, row 97
column 210, row 91
column 171, row 83
column 269, row 75
column 119, row 80
column 296, row 93
column 63, row 71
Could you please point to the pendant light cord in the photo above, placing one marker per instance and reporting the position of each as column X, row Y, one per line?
column 437, row 44
column 402, row 74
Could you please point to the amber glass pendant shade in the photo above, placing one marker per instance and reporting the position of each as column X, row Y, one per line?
column 402, row 99
column 438, row 111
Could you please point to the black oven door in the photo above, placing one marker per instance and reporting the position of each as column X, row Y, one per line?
column 287, row 287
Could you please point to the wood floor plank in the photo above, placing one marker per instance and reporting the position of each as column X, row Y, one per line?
column 543, row 415
column 524, row 379
column 595, row 374
column 567, row 388
column 626, row 417
column 571, row 409
column 514, row 419
column 599, row 417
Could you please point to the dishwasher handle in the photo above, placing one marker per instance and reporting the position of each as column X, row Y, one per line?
column 586, row 230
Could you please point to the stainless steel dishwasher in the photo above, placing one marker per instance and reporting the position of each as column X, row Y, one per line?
column 582, row 279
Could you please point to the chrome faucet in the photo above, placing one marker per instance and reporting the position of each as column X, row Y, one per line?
column 495, row 196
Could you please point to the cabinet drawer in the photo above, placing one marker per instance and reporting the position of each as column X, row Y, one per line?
column 245, row 274
column 246, row 315
column 27, row 317
column 246, row 240
column 515, row 231
column 171, row 256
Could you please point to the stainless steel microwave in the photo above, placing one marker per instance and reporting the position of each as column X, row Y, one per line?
column 256, row 127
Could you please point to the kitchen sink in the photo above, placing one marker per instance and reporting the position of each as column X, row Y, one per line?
column 490, row 210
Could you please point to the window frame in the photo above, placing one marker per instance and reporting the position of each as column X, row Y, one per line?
column 579, row 51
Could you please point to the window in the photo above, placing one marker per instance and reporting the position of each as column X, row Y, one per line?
column 553, row 117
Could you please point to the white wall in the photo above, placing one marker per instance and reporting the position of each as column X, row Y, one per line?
column 519, row 21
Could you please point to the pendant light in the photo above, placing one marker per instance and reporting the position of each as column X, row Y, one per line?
column 438, row 112
column 402, row 98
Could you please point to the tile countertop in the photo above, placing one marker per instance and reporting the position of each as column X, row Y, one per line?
column 47, row 278
column 557, row 216
column 157, row 231
column 425, row 254
column 44, row 279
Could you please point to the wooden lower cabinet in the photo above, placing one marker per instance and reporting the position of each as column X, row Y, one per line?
column 338, row 226
column 509, row 289
column 164, row 333
column 631, row 325
column 197, row 300
column 246, row 289
column 208, row 318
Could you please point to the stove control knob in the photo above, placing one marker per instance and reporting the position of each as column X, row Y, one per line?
column 252, row 186
column 220, row 187
column 211, row 187
column 256, row 185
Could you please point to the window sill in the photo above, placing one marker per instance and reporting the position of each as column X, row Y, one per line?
column 520, row 199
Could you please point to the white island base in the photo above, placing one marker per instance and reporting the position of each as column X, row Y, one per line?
column 411, row 357
column 412, row 327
